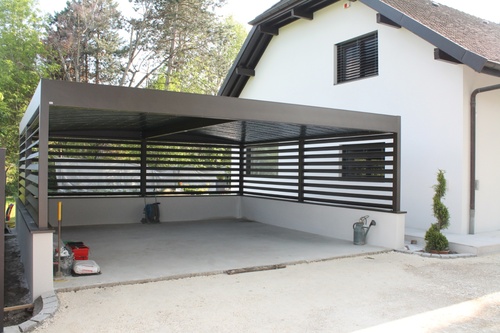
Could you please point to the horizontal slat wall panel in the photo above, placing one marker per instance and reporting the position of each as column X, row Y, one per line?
column 272, row 170
column 182, row 168
column 28, row 168
column 112, row 167
column 94, row 167
column 351, row 171
column 348, row 171
column 358, row 171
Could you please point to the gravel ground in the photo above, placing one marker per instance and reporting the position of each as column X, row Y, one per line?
column 390, row 292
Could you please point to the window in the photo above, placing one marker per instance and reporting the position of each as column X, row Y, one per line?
column 357, row 58
column 363, row 162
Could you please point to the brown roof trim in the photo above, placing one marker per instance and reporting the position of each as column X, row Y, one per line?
column 268, row 23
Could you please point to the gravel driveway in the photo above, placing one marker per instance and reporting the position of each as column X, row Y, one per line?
column 389, row 292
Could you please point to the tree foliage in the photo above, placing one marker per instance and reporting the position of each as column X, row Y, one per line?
column 85, row 42
column 205, row 72
column 438, row 207
column 20, row 71
column 180, row 45
column 435, row 240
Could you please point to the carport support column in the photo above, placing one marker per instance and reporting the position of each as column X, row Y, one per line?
column 241, row 170
column 301, row 170
column 144, row 155
column 396, row 183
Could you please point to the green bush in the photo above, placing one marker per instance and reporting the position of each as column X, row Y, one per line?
column 439, row 209
column 435, row 240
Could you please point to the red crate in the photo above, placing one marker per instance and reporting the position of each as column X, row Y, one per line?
column 80, row 250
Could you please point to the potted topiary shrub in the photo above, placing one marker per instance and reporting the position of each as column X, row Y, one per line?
column 435, row 240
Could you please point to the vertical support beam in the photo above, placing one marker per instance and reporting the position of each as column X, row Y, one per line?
column 396, row 183
column 241, row 170
column 144, row 164
column 3, row 180
column 43, row 162
column 301, row 170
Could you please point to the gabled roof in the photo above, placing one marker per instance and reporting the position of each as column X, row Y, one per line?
column 458, row 37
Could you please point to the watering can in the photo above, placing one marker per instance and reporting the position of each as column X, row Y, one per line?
column 360, row 230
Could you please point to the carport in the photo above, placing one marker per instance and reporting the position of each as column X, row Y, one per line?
column 105, row 151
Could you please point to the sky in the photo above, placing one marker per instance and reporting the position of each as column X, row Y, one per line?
column 246, row 10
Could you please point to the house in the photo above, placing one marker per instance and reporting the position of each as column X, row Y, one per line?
column 436, row 67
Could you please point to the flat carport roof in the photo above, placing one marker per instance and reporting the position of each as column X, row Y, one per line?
column 135, row 253
column 77, row 109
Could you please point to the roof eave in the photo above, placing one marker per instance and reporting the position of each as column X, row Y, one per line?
column 466, row 57
column 491, row 68
column 265, row 26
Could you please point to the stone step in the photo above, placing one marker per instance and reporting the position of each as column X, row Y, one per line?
column 478, row 244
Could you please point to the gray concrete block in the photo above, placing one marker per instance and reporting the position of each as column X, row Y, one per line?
column 11, row 329
column 49, row 310
column 27, row 325
column 41, row 317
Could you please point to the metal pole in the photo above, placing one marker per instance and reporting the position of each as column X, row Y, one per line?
column 59, row 222
column 472, row 178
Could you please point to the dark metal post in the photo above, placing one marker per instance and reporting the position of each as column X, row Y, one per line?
column 396, row 181
column 3, row 179
column 144, row 145
column 241, row 169
column 301, row 170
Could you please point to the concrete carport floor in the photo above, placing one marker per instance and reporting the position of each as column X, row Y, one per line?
column 134, row 253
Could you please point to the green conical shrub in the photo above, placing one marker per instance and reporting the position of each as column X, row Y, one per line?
column 435, row 240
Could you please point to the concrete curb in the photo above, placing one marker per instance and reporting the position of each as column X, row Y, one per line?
column 49, row 305
column 439, row 256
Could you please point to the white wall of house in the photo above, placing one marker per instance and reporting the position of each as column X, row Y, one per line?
column 298, row 67
column 487, row 152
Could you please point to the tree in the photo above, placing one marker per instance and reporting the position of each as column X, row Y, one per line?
column 20, row 72
column 205, row 73
column 435, row 240
column 173, row 38
column 85, row 42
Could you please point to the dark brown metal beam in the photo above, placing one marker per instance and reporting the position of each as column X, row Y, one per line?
column 269, row 30
column 302, row 14
column 381, row 19
column 441, row 55
column 245, row 71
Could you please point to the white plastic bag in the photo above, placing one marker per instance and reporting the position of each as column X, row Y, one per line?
column 81, row 267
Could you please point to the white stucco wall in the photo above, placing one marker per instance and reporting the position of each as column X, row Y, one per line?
column 298, row 67
column 487, row 152
column 323, row 220
column 93, row 211
column 328, row 221
column 36, row 256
